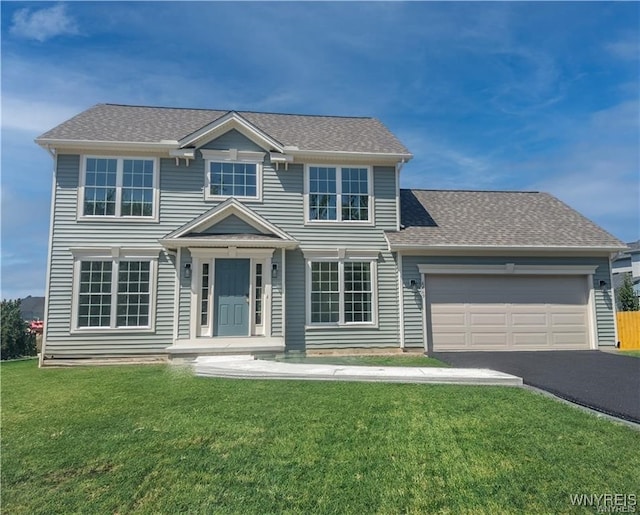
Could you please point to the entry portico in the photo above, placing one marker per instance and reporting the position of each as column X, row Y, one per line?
column 230, row 258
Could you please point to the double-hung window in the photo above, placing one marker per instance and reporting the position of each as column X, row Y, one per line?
column 338, row 194
column 113, row 292
column 233, row 174
column 341, row 292
column 115, row 187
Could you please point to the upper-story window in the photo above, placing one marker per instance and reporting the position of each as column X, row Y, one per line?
column 118, row 187
column 338, row 194
column 233, row 174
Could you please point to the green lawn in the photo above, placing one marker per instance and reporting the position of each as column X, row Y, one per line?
column 151, row 439
column 415, row 360
column 634, row 353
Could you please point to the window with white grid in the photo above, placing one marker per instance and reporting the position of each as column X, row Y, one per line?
column 338, row 194
column 100, row 187
column 204, row 295
column 113, row 292
column 233, row 179
column 341, row 292
column 355, row 194
column 119, row 187
column 358, row 292
column 94, row 300
column 258, row 297
column 325, row 292
column 137, row 187
column 133, row 293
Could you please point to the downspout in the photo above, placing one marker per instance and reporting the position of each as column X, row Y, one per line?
column 45, row 330
column 399, row 166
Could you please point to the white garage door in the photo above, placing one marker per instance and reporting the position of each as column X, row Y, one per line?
column 491, row 312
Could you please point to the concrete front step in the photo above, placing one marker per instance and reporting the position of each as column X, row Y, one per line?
column 243, row 368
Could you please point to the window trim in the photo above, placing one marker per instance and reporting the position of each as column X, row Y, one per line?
column 232, row 156
column 115, row 255
column 373, row 262
column 117, row 217
column 307, row 186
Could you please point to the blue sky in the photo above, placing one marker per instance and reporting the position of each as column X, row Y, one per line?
column 499, row 96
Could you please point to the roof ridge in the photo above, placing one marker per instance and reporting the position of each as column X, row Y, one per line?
column 241, row 111
column 471, row 191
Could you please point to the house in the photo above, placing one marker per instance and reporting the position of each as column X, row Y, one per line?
column 187, row 231
column 627, row 262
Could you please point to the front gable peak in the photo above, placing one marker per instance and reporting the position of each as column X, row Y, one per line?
column 230, row 220
column 228, row 122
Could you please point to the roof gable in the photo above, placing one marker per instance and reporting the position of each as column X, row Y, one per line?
column 230, row 213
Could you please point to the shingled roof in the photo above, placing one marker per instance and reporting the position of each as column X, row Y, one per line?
column 139, row 124
column 494, row 219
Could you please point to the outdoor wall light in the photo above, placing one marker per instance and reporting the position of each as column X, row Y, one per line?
column 603, row 284
column 274, row 270
column 187, row 270
column 414, row 284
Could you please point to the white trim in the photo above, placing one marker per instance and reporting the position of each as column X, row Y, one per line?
column 388, row 158
column 227, row 122
column 316, row 254
column 283, row 291
column 467, row 249
column 508, row 269
column 176, row 296
column 370, row 221
column 591, row 313
column 400, row 301
column 341, row 323
column 223, row 243
column 47, row 291
column 232, row 155
column 64, row 144
column 194, row 295
column 425, row 322
column 115, row 255
column 118, row 217
column 230, row 252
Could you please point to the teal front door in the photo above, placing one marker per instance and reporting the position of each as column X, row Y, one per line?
column 231, row 297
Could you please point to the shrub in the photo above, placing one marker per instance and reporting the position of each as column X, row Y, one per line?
column 16, row 341
column 626, row 297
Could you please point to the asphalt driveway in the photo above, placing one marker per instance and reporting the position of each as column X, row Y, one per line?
column 607, row 382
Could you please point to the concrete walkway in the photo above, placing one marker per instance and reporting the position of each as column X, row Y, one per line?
column 246, row 367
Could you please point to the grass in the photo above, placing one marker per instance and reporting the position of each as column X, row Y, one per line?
column 151, row 439
column 634, row 353
column 415, row 360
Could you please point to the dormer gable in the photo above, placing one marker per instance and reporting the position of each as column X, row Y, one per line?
column 228, row 122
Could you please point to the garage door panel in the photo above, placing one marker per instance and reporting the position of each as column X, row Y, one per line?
column 530, row 339
column 528, row 320
column 492, row 319
column 508, row 312
column 488, row 339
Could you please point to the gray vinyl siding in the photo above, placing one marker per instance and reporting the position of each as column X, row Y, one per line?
column 232, row 225
column 67, row 233
column 233, row 139
column 386, row 335
column 181, row 200
column 413, row 318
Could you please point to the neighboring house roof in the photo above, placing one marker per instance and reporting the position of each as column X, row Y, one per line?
column 633, row 247
column 494, row 219
column 140, row 124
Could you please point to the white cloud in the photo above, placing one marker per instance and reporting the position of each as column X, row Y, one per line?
column 32, row 115
column 626, row 49
column 43, row 24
